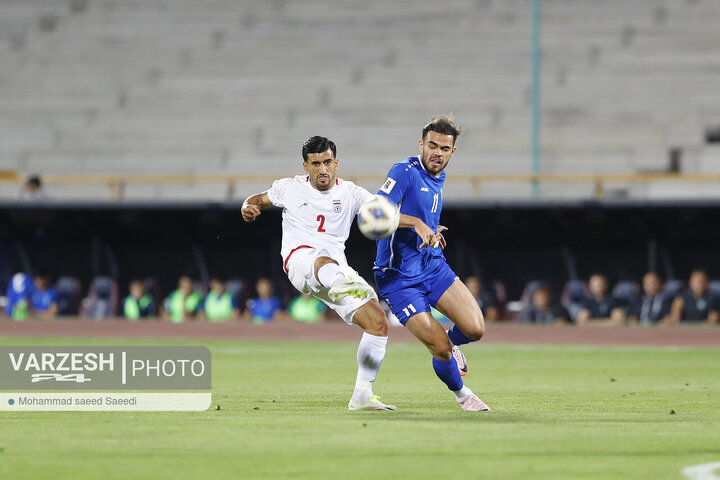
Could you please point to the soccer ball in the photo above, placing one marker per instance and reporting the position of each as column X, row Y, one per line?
column 378, row 218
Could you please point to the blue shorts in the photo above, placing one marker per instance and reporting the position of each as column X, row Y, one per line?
column 409, row 297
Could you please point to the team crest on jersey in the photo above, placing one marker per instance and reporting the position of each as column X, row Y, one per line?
column 337, row 208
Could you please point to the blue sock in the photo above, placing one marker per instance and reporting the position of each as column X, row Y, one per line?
column 448, row 372
column 457, row 337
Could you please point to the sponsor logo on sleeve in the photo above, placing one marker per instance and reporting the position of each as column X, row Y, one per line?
column 388, row 185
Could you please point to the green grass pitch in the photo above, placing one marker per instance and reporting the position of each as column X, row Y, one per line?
column 559, row 413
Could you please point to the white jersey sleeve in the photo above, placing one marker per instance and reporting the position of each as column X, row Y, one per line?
column 277, row 191
column 360, row 196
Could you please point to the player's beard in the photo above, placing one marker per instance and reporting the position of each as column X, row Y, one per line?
column 426, row 163
column 323, row 186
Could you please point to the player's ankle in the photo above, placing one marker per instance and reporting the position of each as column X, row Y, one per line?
column 363, row 391
column 462, row 394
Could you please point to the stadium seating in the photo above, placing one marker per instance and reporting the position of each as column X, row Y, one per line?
column 627, row 294
column 102, row 299
column 574, row 293
column 219, row 86
column 68, row 290
column 673, row 287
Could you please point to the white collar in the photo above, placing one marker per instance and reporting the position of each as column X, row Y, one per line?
column 423, row 167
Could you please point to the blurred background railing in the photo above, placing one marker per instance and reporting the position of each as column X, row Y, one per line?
column 233, row 187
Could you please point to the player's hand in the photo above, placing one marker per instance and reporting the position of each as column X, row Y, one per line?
column 250, row 212
column 439, row 238
column 426, row 235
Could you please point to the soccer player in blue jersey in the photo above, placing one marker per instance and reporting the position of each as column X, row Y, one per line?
column 411, row 272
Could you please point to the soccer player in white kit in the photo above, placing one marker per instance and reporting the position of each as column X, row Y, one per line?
column 318, row 210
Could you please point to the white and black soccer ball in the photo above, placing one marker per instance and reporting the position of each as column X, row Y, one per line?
column 378, row 218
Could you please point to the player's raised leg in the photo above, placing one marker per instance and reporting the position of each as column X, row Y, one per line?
column 431, row 333
column 331, row 276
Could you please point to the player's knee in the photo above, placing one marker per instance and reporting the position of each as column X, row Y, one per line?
column 378, row 325
column 322, row 261
column 476, row 332
column 372, row 319
column 440, row 348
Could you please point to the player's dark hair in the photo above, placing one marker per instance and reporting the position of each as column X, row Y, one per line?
column 699, row 270
column 44, row 274
column 444, row 124
column 34, row 180
column 317, row 144
column 652, row 272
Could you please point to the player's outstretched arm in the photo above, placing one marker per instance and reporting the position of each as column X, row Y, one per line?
column 424, row 232
column 253, row 204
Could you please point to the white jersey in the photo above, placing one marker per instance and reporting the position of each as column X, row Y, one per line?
column 316, row 219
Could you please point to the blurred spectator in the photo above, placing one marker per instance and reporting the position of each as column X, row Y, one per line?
column 183, row 303
column 32, row 189
column 43, row 298
column 102, row 299
column 542, row 310
column 308, row 309
column 485, row 299
column 139, row 304
column 18, row 296
column 654, row 306
column 600, row 308
column 219, row 305
column 265, row 307
column 696, row 304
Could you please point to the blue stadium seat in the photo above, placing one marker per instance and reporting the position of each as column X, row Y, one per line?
column 68, row 290
column 102, row 299
column 574, row 294
column 627, row 294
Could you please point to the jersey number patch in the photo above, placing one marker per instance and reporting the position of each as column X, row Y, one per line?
column 321, row 219
column 409, row 309
column 436, row 201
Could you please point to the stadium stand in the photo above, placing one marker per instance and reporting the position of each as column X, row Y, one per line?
column 217, row 86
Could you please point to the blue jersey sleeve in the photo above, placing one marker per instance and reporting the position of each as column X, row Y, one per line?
column 53, row 295
column 397, row 183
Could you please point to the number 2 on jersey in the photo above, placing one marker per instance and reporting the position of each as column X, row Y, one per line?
column 321, row 219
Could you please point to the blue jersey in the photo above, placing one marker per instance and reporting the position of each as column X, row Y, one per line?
column 20, row 288
column 419, row 194
column 263, row 309
column 42, row 299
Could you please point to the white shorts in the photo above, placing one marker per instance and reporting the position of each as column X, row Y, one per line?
column 300, row 268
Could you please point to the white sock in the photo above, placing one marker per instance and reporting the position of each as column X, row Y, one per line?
column 462, row 394
column 370, row 354
column 329, row 274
